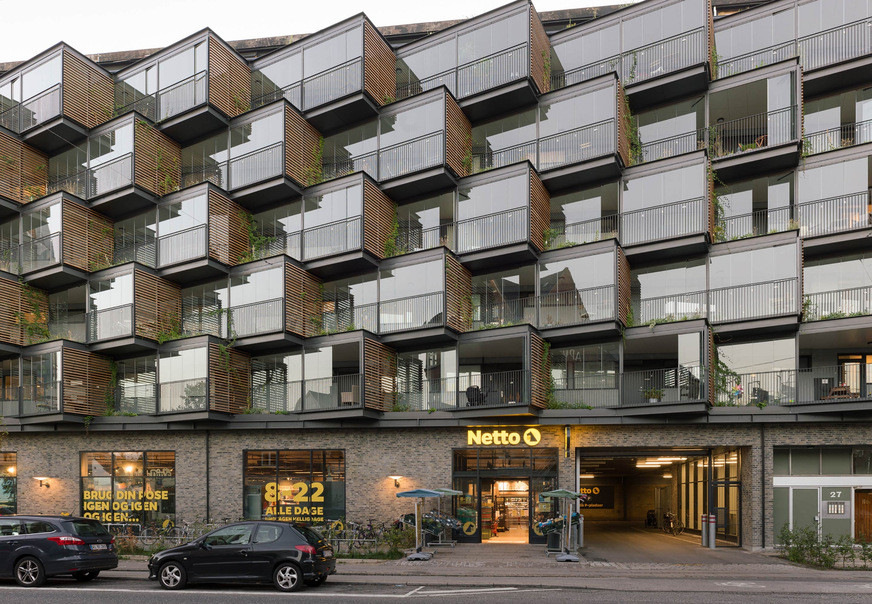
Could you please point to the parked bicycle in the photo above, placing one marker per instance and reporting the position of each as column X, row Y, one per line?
column 166, row 530
column 672, row 525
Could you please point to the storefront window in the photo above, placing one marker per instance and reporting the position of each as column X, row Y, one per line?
column 295, row 486
column 8, row 483
column 136, row 487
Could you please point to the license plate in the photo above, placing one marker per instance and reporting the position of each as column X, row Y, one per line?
column 99, row 546
column 328, row 553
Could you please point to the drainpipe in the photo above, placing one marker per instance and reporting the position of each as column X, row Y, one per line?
column 763, row 483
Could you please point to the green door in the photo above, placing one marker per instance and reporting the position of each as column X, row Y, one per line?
column 805, row 509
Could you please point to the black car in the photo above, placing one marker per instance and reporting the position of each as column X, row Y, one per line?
column 286, row 554
column 33, row 548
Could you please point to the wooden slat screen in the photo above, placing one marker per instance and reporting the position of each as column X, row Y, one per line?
column 624, row 125
column 229, row 80
column 303, row 145
column 539, row 368
column 623, row 289
column 711, row 202
column 23, row 170
column 711, row 365
column 379, row 66
column 540, row 53
column 86, row 381
column 379, row 375
column 458, row 138
column 712, row 51
column 228, row 237
column 157, row 305
column 21, row 304
column 379, row 213
column 540, row 211
column 229, row 379
column 458, row 289
column 88, row 237
column 157, row 160
column 302, row 301
column 88, row 93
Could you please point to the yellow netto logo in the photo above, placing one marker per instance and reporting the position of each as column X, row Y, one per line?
column 530, row 437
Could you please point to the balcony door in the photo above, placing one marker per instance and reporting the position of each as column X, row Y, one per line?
column 855, row 376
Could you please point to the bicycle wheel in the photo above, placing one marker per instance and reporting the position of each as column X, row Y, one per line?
column 175, row 535
column 678, row 528
column 148, row 537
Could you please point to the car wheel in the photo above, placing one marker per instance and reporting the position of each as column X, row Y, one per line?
column 287, row 577
column 172, row 576
column 86, row 575
column 316, row 582
column 29, row 572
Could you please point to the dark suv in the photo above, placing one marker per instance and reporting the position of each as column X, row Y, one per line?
column 33, row 548
column 286, row 554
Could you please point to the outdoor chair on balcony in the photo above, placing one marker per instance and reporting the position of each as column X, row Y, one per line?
column 474, row 396
column 350, row 399
column 841, row 392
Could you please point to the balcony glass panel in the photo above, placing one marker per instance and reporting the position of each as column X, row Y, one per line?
column 183, row 384
column 586, row 57
column 587, row 375
column 491, row 374
column 755, row 207
column 41, row 239
column 205, row 308
column 765, row 40
column 137, row 385
column 282, row 227
column 41, row 383
column 9, row 242
column 428, row 68
column 67, row 317
column 411, row 140
column 68, row 171
column 492, row 214
column 671, row 130
column 206, row 161
column 352, row 150
column 504, row 298
column 837, row 121
column 504, row 141
column 182, row 228
column 831, row 31
column 257, row 303
column 580, row 290
column 753, row 284
column 834, row 197
column 256, row 150
column 182, row 80
column 492, row 55
column 665, row 204
column 427, row 380
column 110, row 160
column 332, row 68
column 110, row 308
column 426, row 224
column 9, row 387
column 765, row 370
column 837, row 288
column 138, row 92
column 281, row 78
column 40, row 92
column 576, row 129
column 412, row 297
column 332, row 222
column 350, row 304
column 136, row 239
column 671, row 292
column 332, row 377
column 276, row 382
column 583, row 216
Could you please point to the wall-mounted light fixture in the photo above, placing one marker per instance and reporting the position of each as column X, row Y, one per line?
column 396, row 479
column 43, row 481
column 667, row 475
column 586, row 476
column 11, row 470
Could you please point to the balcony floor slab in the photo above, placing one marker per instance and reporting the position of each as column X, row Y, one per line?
column 124, row 202
column 518, row 253
column 193, row 124
column 574, row 175
column 655, row 91
column 342, row 113
column 270, row 341
column 425, row 336
column 420, row 183
column 497, row 412
column 54, row 277
column 268, row 192
column 570, row 333
column 788, row 323
column 186, row 273
column 55, row 134
column 500, row 100
column 768, row 159
column 124, row 346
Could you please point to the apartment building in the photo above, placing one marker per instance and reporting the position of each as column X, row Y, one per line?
column 627, row 254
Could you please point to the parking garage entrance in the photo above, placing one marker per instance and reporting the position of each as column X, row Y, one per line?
column 632, row 490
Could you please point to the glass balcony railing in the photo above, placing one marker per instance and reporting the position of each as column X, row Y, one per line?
column 110, row 323
column 182, row 246
column 411, row 312
column 836, row 45
column 41, row 253
column 841, row 137
column 753, row 132
column 319, row 89
column 333, row 238
column 138, row 398
column 106, row 177
column 586, row 231
column 41, row 399
column 760, row 222
column 144, row 253
column 170, row 101
column 491, row 230
column 753, row 301
column 412, row 238
column 183, row 395
column 331, row 393
column 278, row 397
column 673, row 307
column 664, row 222
column 489, row 314
column 576, row 307
column 672, row 146
column 755, row 59
column 436, row 394
column 495, row 389
column 34, row 111
column 838, row 304
column 257, row 318
column 350, row 318
column 822, row 385
column 9, row 401
column 834, row 215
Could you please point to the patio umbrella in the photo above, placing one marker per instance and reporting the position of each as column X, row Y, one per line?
column 570, row 496
column 419, row 494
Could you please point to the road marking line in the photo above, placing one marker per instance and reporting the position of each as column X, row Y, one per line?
column 183, row 592
column 417, row 589
column 467, row 591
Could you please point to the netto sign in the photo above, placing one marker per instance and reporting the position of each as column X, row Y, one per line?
column 530, row 437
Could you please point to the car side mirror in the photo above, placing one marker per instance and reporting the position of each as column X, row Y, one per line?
column 204, row 545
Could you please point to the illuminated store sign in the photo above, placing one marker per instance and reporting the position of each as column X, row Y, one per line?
column 501, row 437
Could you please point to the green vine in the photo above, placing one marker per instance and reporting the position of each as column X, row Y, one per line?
column 546, row 60
column 392, row 243
column 33, row 320
column 109, row 396
column 725, row 380
column 631, row 318
column 467, row 155
column 86, row 421
column 171, row 329
column 633, row 134
column 258, row 243
column 315, row 173
column 719, row 231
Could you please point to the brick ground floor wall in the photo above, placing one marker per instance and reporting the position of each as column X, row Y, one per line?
column 213, row 462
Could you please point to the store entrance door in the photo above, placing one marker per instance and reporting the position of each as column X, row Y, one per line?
column 511, row 510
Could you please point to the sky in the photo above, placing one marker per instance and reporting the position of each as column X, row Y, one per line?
column 95, row 26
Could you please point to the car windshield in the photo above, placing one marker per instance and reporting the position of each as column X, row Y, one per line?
column 86, row 528
column 312, row 536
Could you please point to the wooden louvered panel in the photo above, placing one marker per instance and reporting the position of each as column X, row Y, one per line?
column 379, row 66
column 458, row 289
column 711, row 202
column 228, row 237
column 302, row 301
column 88, row 237
column 88, row 93
column 379, row 375
column 229, row 80
column 624, row 125
column 158, row 160
column 458, row 138
column 540, row 53
column 540, row 211
column 21, row 305
column 86, row 382
column 157, row 305
column 623, row 289
column 711, row 365
column 23, row 174
column 539, row 369
column 712, row 52
column 229, row 379
column 303, row 145
column 379, row 213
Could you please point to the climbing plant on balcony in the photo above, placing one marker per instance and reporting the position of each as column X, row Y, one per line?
column 33, row 319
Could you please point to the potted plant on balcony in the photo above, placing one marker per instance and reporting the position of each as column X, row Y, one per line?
column 654, row 395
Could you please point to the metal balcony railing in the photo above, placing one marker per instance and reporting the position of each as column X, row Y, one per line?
column 199, row 318
column 760, row 222
column 491, row 230
column 836, row 45
column 671, row 146
column 368, row 162
column 837, row 304
column 753, row 301
column 487, row 159
column 34, row 111
column 257, row 318
column 755, row 59
column 578, row 306
column 350, row 318
column 332, row 238
column 41, row 253
column 110, row 323
column 437, row 394
column 9, row 256
column 142, row 252
column 672, row 307
column 183, row 395
column 278, row 397
column 586, row 231
column 86, row 184
column 411, row 156
column 72, row 326
column 488, row 314
column 665, row 221
column 600, row 389
column 840, row 137
column 655, row 386
column 320, row 88
column 413, row 238
column 834, row 215
column 169, row 101
column 182, row 246
column 446, row 78
column 493, row 389
column 561, row 79
column 138, row 398
column 42, row 398
column 753, row 132
column 215, row 172
column 10, row 401
column 411, row 312
column 336, row 392
column 256, row 166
